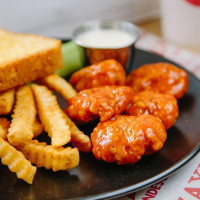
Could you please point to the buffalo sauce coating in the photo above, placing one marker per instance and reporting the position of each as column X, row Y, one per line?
column 124, row 139
column 163, row 106
column 121, row 55
column 108, row 72
column 104, row 102
column 159, row 77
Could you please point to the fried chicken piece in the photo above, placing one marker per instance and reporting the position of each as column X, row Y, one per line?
column 104, row 102
column 108, row 72
column 159, row 77
column 124, row 139
column 163, row 106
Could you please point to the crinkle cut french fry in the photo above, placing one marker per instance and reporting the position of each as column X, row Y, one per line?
column 58, row 84
column 4, row 125
column 16, row 162
column 78, row 138
column 47, row 156
column 6, row 101
column 37, row 128
column 51, row 116
column 24, row 114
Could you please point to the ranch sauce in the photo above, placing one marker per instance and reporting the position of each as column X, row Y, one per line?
column 106, row 38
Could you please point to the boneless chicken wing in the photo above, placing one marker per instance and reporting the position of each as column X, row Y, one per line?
column 108, row 72
column 124, row 139
column 159, row 77
column 163, row 106
column 104, row 102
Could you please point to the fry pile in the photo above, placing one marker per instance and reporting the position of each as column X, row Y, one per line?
column 36, row 108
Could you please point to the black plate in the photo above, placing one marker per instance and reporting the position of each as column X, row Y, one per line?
column 94, row 179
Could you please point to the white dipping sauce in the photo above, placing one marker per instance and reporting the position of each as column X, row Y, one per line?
column 106, row 38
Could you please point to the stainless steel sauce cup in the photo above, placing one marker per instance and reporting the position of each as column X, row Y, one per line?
column 123, row 54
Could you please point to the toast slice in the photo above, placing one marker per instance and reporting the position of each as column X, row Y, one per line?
column 25, row 57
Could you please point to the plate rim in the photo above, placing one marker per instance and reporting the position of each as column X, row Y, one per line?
column 144, row 184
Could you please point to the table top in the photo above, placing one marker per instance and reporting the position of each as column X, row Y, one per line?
column 154, row 27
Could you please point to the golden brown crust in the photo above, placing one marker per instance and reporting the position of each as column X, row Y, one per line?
column 78, row 138
column 4, row 126
column 59, row 84
column 37, row 128
column 51, row 116
column 16, row 162
column 6, row 101
column 47, row 156
column 39, row 63
column 23, row 117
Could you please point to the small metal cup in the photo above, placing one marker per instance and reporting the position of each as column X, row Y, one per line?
column 123, row 54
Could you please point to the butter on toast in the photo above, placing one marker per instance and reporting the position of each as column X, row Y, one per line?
column 26, row 57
